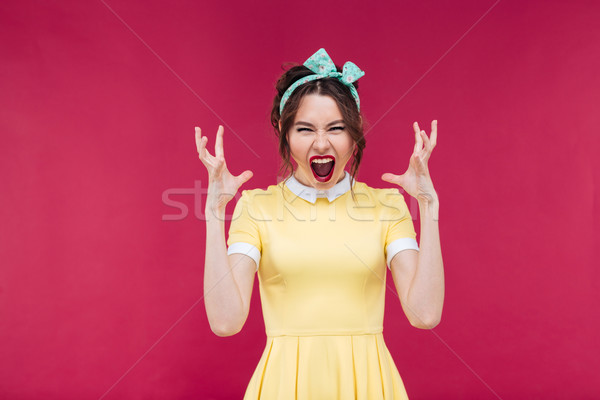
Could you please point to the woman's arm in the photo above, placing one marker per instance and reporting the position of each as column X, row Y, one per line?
column 227, row 279
column 419, row 275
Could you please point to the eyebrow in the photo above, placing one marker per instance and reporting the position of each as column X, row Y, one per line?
column 311, row 125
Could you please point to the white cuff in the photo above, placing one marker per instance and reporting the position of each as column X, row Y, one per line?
column 398, row 245
column 247, row 249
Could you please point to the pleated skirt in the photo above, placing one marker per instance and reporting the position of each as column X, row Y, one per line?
column 328, row 367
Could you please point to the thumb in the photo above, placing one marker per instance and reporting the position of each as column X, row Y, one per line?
column 395, row 179
column 243, row 177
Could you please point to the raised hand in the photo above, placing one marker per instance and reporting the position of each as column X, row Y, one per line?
column 222, row 185
column 416, row 180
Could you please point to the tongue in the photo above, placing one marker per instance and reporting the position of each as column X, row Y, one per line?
column 322, row 169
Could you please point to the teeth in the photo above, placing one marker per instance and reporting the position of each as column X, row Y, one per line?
column 322, row 160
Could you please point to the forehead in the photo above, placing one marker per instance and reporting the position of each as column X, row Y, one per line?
column 318, row 108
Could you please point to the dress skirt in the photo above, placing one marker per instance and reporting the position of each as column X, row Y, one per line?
column 326, row 367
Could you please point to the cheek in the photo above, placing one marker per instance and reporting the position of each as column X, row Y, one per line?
column 293, row 143
column 346, row 147
column 298, row 147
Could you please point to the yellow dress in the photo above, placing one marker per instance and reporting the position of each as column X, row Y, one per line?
column 322, row 270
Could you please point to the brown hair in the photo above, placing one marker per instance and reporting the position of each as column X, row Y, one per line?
column 326, row 87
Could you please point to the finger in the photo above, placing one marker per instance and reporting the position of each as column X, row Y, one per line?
column 418, row 140
column 219, row 153
column 392, row 178
column 198, row 138
column 416, row 128
column 426, row 141
column 243, row 177
column 203, row 154
column 433, row 133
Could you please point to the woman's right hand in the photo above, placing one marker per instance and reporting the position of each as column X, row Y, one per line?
column 222, row 185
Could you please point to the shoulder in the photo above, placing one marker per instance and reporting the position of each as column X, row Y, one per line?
column 270, row 190
column 254, row 204
column 383, row 201
column 261, row 197
column 385, row 195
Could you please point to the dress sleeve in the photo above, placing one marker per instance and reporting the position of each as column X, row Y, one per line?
column 401, row 233
column 244, row 235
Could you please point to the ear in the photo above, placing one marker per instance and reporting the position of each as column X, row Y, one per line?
column 279, row 126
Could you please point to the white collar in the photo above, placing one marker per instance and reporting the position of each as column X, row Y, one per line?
column 311, row 194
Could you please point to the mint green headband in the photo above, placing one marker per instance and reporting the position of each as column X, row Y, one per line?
column 321, row 64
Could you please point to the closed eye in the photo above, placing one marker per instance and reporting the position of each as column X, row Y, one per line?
column 335, row 128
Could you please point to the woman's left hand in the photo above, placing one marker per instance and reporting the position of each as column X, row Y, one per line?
column 416, row 180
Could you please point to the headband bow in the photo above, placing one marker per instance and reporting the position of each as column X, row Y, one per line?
column 321, row 64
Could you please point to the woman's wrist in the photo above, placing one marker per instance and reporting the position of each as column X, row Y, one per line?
column 428, row 197
column 216, row 201
column 214, row 211
column 429, row 206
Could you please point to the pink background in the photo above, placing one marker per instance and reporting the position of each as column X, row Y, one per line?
column 101, row 277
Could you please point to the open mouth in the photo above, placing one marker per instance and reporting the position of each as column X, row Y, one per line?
column 322, row 167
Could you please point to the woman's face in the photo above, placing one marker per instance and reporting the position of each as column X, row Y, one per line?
column 319, row 142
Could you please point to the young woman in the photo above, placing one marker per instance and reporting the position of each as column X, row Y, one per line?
column 320, row 242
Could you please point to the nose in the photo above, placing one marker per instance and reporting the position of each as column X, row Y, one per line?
column 321, row 142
